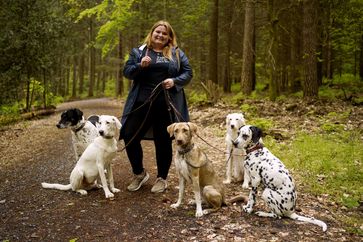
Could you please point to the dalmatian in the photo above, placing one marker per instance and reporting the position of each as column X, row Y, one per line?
column 265, row 169
column 235, row 157
column 95, row 162
column 83, row 131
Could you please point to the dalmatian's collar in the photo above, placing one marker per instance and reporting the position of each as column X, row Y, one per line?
column 81, row 126
column 185, row 150
column 255, row 147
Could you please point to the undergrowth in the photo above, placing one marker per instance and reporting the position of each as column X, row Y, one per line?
column 329, row 163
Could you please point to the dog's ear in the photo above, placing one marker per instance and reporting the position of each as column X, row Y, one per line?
column 242, row 118
column 118, row 123
column 256, row 134
column 78, row 112
column 193, row 127
column 227, row 119
column 170, row 129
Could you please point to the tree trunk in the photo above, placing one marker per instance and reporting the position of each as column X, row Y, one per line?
column 74, row 84
column 45, row 89
column 68, row 77
column 213, row 45
column 81, row 73
column 310, row 86
column 328, row 49
column 296, row 45
column 92, row 57
column 119, row 76
column 272, row 60
column 227, row 68
column 247, row 62
column 27, row 105
column 361, row 59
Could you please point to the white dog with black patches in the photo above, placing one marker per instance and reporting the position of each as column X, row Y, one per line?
column 83, row 131
column 95, row 161
column 235, row 157
column 265, row 169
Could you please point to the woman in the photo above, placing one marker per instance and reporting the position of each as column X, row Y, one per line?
column 159, row 71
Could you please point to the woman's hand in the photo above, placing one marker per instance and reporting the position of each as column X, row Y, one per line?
column 168, row 83
column 145, row 61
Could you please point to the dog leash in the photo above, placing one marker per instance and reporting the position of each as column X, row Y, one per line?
column 177, row 114
column 149, row 100
column 186, row 151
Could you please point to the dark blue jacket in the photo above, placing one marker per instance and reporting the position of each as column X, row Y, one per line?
column 180, row 72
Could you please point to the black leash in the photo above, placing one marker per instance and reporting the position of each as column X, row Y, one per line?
column 178, row 115
column 155, row 92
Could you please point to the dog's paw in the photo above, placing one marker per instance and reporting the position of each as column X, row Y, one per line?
column 82, row 192
column 98, row 186
column 245, row 185
column 247, row 209
column 175, row 205
column 109, row 195
column 206, row 211
column 191, row 202
column 227, row 181
column 199, row 214
column 115, row 190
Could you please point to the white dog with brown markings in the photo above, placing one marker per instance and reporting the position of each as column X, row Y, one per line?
column 95, row 161
column 194, row 167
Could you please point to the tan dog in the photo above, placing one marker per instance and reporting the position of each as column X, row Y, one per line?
column 194, row 167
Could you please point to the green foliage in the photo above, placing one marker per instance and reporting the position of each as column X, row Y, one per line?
column 110, row 88
column 341, row 87
column 238, row 98
column 329, row 163
column 262, row 123
column 248, row 110
column 236, row 87
column 197, row 98
column 10, row 109
column 332, row 127
column 333, row 122
column 9, row 114
column 116, row 13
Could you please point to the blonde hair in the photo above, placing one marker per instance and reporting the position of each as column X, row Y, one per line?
column 172, row 43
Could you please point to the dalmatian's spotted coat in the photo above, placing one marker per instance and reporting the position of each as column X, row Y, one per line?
column 266, row 169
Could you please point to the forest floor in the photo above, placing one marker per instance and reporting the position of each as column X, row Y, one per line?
column 36, row 151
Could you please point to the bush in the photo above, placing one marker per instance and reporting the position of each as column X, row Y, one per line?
column 196, row 98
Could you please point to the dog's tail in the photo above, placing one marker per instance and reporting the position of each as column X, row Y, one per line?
column 57, row 186
column 309, row 220
column 238, row 198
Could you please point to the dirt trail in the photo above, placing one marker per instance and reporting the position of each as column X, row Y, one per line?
column 36, row 151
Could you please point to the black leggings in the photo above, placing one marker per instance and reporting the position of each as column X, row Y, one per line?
column 158, row 119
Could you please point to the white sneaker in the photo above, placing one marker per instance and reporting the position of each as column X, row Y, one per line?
column 159, row 186
column 138, row 181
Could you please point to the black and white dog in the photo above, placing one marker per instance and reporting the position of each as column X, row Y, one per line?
column 95, row 162
column 266, row 169
column 83, row 131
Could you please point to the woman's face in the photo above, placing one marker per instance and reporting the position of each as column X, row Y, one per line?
column 160, row 36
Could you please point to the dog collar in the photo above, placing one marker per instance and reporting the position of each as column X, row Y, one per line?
column 107, row 137
column 80, row 127
column 186, row 150
column 256, row 147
